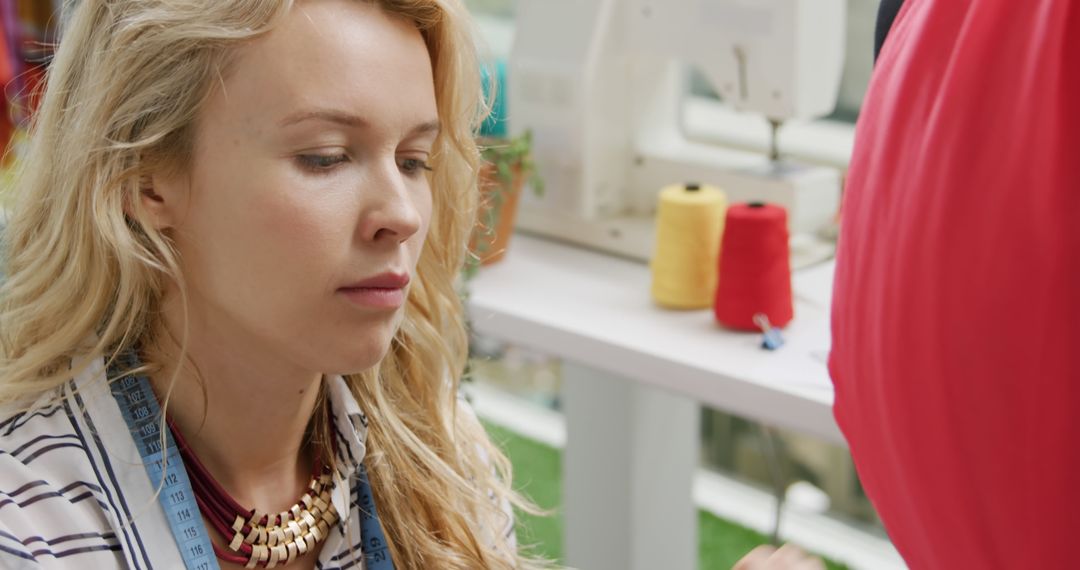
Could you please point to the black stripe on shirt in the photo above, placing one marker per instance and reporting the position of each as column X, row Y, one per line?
column 352, row 563
column 35, row 455
column 35, row 484
column 356, row 549
column 24, row 554
column 13, row 422
column 127, row 528
column 107, row 537
column 74, row 551
column 36, row 440
column 24, row 488
column 342, row 442
column 53, row 494
column 40, row 482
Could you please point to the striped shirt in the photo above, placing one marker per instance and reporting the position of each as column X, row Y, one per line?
column 74, row 492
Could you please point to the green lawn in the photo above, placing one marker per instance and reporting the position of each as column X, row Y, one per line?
column 538, row 474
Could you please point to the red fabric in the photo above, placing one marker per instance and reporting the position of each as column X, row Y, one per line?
column 755, row 268
column 955, row 354
column 7, row 73
column 33, row 79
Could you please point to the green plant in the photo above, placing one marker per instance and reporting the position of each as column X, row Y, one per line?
column 506, row 164
column 512, row 156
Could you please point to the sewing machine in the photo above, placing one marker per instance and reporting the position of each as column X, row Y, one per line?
column 601, row 83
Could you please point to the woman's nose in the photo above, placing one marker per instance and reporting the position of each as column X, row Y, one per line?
column 392, row 211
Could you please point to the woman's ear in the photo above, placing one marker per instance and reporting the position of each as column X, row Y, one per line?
column 163, row 198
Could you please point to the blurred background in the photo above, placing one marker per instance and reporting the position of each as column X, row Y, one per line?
column 820, row 479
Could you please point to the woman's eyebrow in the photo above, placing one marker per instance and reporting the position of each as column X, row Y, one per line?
column 329, row 115
column 428, row 127
column 351, row 120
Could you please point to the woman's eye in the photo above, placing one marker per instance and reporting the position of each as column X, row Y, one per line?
column 414, row 166
column 321, row 162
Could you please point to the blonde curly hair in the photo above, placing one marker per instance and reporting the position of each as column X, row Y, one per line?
column 86, row 276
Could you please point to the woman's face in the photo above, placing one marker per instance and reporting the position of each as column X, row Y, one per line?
column 307, row 204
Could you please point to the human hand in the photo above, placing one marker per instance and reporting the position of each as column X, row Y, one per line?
column 788, row 557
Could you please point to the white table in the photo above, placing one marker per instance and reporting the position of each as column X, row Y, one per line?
column 634, row 377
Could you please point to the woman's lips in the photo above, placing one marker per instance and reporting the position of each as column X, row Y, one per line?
column 384, row 291
column 375, row 297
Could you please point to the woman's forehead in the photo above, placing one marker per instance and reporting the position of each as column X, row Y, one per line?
column 338, row 55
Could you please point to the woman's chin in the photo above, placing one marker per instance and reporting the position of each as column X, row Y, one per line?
column 356, row 359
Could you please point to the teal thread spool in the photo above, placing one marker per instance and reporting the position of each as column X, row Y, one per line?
column 495, row 125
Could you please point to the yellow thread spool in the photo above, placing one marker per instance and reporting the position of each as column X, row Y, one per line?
column 689, row 224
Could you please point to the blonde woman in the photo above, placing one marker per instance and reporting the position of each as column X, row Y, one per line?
column 251, row 214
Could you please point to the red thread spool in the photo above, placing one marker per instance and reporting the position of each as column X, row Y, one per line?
column 755, row 268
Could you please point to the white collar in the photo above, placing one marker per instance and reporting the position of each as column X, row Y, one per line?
column 350, row 437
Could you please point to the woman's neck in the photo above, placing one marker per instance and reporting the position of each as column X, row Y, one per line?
column 244, row 413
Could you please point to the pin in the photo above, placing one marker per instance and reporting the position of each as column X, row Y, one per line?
column 772, row 338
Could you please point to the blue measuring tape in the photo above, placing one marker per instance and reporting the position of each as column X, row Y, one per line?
column 140, row 409
column 376, row 550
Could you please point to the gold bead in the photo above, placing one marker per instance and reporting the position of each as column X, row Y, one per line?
column 295, row 528
column 262, row 551
column 259, row 554
column 309, row 520
column 237, row 540
column 238, row 524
